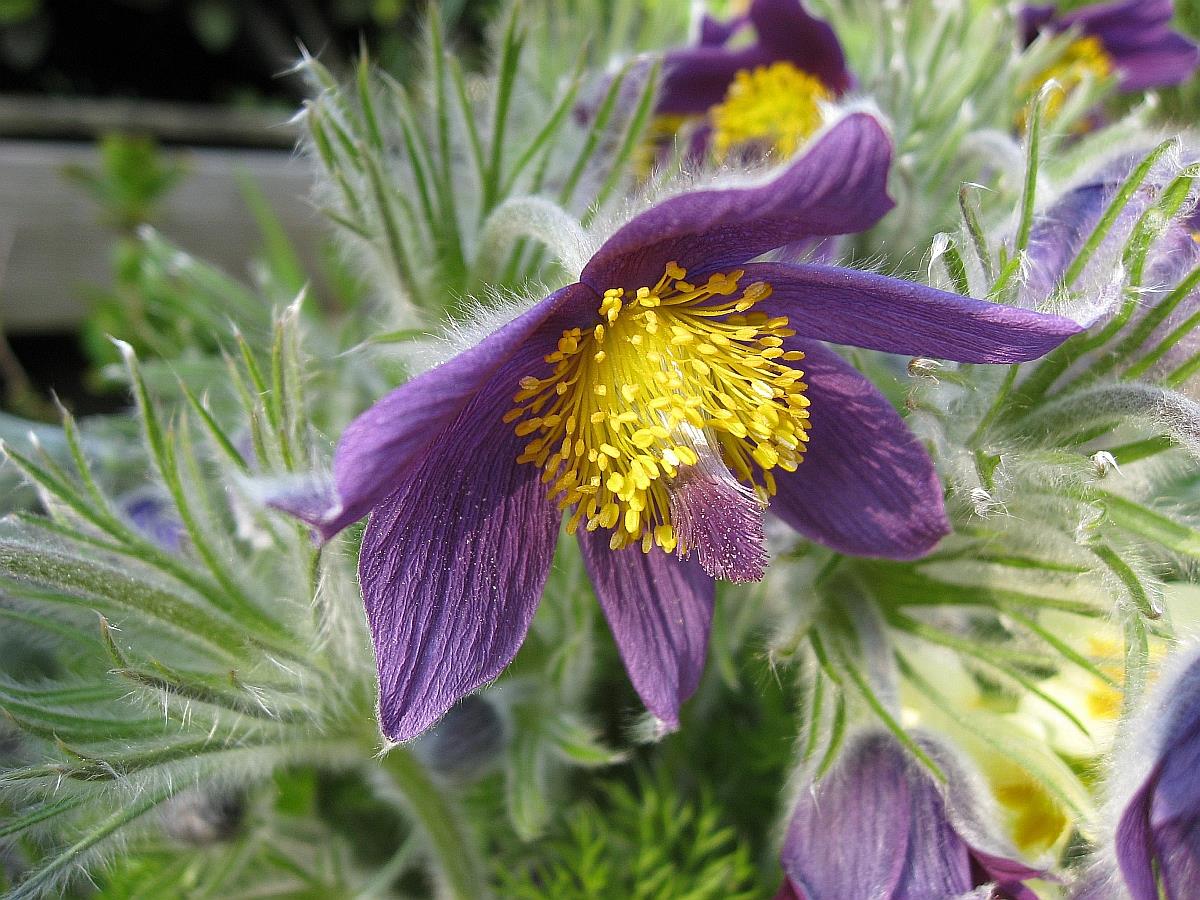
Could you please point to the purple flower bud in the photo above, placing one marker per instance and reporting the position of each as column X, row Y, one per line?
column 881, row 825
column 1158, row 833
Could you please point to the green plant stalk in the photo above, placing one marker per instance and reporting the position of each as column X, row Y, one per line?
column 451, row 849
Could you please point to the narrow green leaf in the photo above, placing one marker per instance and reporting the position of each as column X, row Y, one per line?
column 506, row 76
column 1153, row 526
column 1137, row 593
column 41, row 814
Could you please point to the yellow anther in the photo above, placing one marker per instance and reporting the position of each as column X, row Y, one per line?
column 777, row 105
column 663, row 365
column 1084, row 60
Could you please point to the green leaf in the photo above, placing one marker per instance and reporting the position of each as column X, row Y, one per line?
column 1153, row 526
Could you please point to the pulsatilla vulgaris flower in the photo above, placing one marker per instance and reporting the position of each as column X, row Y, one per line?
column 1062, row 229
column 880, row 826
column 766, row 93
column 1129, row 38
column 657, row 404
column 1158, row 834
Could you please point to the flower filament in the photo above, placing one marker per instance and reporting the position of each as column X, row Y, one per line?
column 673, row 380
column 777, row 105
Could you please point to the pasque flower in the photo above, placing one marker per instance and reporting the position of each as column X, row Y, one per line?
column 1062, row 229
column 879, row 825
column 1158, row 833
column 1130, row 38
column 765, row 92
column 658, row 404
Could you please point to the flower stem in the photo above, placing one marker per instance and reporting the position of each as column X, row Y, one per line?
column 451, row 849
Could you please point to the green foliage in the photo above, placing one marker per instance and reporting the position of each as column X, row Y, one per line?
column 197, row 721
column 133, row 178
column 634, row 841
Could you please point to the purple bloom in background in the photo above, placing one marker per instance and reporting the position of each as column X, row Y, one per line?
column 1132, row 38
column 153, row 515
column 1061, row 230
column 656, row 405
column 768, row 91
column 1158, row 835
column 880, row 826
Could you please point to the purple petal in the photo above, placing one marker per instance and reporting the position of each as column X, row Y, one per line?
column 721, row 523
column 1135, row 33
column 155, row 518
column 879, row 825
column 1135, row 846
column 1124, row 19
column 1060, row 232
column 1171, row 59
column 697, row 78
column 454, row 562
column 838, row 186
column 452, row 568
column 1032, row 19
column 382, row 445
column 845, row 306
column 714, row 32
column 939, row 861
column 850, row 836
column 866, row 486
column 1008, row 874
column 786, row 29
column 1157, row 834
column 659, row 609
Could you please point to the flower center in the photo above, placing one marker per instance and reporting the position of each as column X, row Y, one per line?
column 779, row 105
column 1084, row 60
column 676, row 381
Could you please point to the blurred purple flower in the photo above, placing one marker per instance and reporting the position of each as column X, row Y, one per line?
column 153, row 515
column 1062, row 229
column 1158, row 834
column 767, row 91
column 1132, row 34
column 654, row 402
column 695, row 79
column 880, row 826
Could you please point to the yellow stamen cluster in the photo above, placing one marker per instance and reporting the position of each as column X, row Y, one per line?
column 671, row 376
column 779, row 105
column 1084, row 59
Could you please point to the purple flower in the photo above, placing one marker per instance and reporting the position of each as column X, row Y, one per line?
column 1158, row 834
column 1131, row 36
column 154, row 517
column 656, row 405
column 768, row 91
column 1060, row 232
column 880, row 826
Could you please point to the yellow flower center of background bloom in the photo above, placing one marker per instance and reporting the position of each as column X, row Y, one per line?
column 1084, row 59
column 671, row 375
column 777, row 104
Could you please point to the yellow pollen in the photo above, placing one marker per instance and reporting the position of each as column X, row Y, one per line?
column 613, row 428
column 1084, row 59
column 778, row 105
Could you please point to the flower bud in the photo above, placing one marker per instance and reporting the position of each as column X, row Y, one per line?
column 1158, row 832
column 881, row 825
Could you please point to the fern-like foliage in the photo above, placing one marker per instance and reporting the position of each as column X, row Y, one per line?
column 638, row 840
